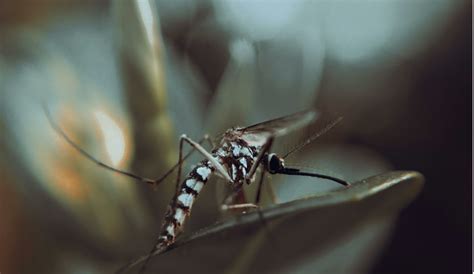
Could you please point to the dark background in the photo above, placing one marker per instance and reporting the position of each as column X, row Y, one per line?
column 433, row 236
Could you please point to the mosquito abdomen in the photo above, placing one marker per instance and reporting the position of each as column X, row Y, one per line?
column 180, row 207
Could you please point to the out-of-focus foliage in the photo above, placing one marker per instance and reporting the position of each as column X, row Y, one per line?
column 125, row 78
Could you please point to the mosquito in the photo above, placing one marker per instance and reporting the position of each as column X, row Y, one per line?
column 240, row 152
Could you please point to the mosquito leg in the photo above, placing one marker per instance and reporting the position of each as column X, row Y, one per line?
column 253, row 169
column 180, row 163
column 91, row 158
column 266, row 147
column 237, row 196
column 239, row 206
column 271, row 190
column 181, row 160
column 236, row 200
column 195, row 146
column 214, row 162
column 86, row 154
column 260, row 184
column 148, row 257
column 268, row 232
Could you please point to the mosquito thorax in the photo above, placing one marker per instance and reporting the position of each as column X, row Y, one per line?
column 273, row 163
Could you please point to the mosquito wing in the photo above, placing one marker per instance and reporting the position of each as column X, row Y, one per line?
column 258, row 134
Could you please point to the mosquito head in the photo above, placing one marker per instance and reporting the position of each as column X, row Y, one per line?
column 273, row 163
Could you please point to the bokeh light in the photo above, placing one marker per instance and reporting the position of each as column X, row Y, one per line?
column 113, row 138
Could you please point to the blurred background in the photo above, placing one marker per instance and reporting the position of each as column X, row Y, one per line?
column 125, row 78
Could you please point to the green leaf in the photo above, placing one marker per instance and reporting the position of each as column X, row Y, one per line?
column 285, row 237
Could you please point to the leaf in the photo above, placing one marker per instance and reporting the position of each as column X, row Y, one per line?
column 281, row 237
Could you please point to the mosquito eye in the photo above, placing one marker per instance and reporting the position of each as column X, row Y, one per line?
column 274, row 163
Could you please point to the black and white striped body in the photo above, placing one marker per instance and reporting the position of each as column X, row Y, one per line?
column 235, row 155
column 182, row 202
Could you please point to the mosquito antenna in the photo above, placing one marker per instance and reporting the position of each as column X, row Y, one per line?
column 313, row 137
column 295, row 171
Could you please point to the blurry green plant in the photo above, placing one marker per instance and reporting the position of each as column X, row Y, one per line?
column 93, row 221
